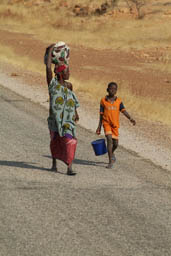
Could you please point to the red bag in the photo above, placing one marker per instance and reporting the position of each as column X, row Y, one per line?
column 62, row 148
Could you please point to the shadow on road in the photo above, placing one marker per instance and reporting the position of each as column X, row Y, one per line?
column 84, row 162
column 23, row 165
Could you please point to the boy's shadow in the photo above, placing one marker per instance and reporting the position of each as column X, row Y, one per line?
column 88, row 162
column 85, row 162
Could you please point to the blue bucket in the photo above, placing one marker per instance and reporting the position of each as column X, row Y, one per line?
column 99, row 147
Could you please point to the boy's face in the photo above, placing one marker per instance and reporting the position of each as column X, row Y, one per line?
column 112, row 90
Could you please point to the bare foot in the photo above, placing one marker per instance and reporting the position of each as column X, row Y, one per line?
column 70, row 171
column 113, row 158
column 54, row 169
column 110, row 165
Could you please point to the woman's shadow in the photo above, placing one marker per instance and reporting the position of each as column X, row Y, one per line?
column 27, row 165
column 23, row 165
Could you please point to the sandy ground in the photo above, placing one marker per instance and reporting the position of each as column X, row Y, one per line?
column 150, row 140
column 139, row 138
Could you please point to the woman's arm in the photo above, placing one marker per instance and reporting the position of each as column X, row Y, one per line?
column 49, row 74
column 76, row 116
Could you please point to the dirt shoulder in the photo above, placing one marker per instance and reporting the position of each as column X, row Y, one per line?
column 148, row 139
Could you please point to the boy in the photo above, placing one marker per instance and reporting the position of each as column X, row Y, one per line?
column 110, row 108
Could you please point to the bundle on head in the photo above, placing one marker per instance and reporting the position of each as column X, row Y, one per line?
column 60, row 54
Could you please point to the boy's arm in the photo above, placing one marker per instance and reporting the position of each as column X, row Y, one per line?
column 129, row 117
column 98, row 131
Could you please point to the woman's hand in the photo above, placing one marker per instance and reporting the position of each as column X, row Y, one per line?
column 76, row 117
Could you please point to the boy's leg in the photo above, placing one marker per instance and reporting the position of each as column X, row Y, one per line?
column 114, row 147
column 109, row 149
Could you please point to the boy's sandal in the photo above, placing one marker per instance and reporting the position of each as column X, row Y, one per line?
column 113, row 158
column 110, row 166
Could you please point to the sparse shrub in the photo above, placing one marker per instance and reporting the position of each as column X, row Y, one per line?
column 81, row 11
column 102, row 10
column 138, row 5
column 114, row 3
column 167, row 4
column 108, row 5
column 85, row 10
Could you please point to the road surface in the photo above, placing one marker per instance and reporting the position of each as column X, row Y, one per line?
column 121, row 212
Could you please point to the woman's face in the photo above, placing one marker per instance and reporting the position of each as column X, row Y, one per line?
column 65, row 74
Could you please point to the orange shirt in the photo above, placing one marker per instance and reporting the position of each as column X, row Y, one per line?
column 111, row 111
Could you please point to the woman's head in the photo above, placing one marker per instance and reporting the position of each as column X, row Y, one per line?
column 60, row 57
column 62, row 72
column 65, row 73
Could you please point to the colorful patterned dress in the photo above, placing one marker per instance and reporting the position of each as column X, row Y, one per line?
column 61, row 121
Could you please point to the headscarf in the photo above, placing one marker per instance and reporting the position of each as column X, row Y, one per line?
column 58, row 69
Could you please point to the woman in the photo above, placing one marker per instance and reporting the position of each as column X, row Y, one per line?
column 62, row 112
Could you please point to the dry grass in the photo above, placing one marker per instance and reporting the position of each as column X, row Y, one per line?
column 144, row 106
column 9, row 56
column 108, row 31
column 49, row 22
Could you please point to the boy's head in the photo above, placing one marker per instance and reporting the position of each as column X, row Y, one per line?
column 112, row 88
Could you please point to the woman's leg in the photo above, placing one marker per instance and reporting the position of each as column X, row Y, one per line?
column 54, row 165
column 70, row 171
column 52, row 146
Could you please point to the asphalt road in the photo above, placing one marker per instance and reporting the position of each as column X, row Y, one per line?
column 125, row 211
